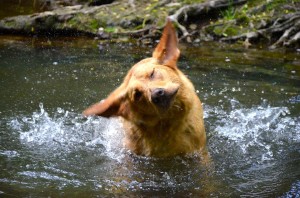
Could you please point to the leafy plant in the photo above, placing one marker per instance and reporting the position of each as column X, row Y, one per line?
column 110, row 29
column 230, row 12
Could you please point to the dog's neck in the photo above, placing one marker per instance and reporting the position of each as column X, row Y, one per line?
column 159, row 128
column 162, row 120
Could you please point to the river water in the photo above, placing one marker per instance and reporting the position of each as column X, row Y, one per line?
column 48, row 149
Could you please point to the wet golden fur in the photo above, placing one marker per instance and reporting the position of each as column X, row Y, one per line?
column 156, row 125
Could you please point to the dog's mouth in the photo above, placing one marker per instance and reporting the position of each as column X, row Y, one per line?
column 162, row 98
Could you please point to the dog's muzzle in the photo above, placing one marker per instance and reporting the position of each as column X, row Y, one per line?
column 162, row 97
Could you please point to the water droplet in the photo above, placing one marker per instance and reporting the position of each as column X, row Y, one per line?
column 41, row 105
column 60, row 110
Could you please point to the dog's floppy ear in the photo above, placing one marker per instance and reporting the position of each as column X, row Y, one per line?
column 167, row 51
column 114, row 105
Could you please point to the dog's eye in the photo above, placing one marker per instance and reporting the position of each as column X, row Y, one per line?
column 137, row 95
column 152, row 74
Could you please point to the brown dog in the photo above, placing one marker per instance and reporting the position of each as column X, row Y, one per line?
column 162, row 114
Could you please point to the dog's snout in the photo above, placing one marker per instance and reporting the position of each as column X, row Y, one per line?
column 162, row 97
column 157, row 95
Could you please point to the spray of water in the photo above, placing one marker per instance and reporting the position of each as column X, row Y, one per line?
column 70, row 131
column 246, row 133
column 257, row 128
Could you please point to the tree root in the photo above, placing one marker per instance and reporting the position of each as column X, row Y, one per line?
column 197, row 9
column 140, row 33
column 287, row 26
column 182, row 15
column 292, row 28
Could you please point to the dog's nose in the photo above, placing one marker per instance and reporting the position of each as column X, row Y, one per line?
column 157, row 95
column 158, row 92
column 161, row 97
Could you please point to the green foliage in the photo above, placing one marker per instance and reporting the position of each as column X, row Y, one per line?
column 225, row 30
column 243, row 20
column 231, row 31
column 94, row 24
column 242, row 16
column 110, row 29
column 229, row 13
column 271, row 5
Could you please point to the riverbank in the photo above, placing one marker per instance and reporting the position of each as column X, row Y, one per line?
column 274, row 23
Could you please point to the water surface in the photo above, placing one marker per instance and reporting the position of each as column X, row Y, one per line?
column 252, row 112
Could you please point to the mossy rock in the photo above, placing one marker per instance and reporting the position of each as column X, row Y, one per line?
column 243, row 20
column 223, row 30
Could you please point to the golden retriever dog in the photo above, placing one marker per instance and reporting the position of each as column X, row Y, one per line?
column 162, row 114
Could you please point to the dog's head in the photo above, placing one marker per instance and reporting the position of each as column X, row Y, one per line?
column 150, row 89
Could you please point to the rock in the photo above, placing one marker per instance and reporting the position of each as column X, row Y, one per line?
column 117, row 18
column 40, row 23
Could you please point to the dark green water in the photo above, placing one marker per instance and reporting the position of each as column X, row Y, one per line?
column 252, row 116
column 19, row 7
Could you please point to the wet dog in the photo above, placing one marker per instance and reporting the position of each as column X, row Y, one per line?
column 162, row 114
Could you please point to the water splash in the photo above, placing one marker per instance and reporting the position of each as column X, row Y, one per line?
column 69, row 131
column 10, row 154
column 294, row 191
column 255, row 129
